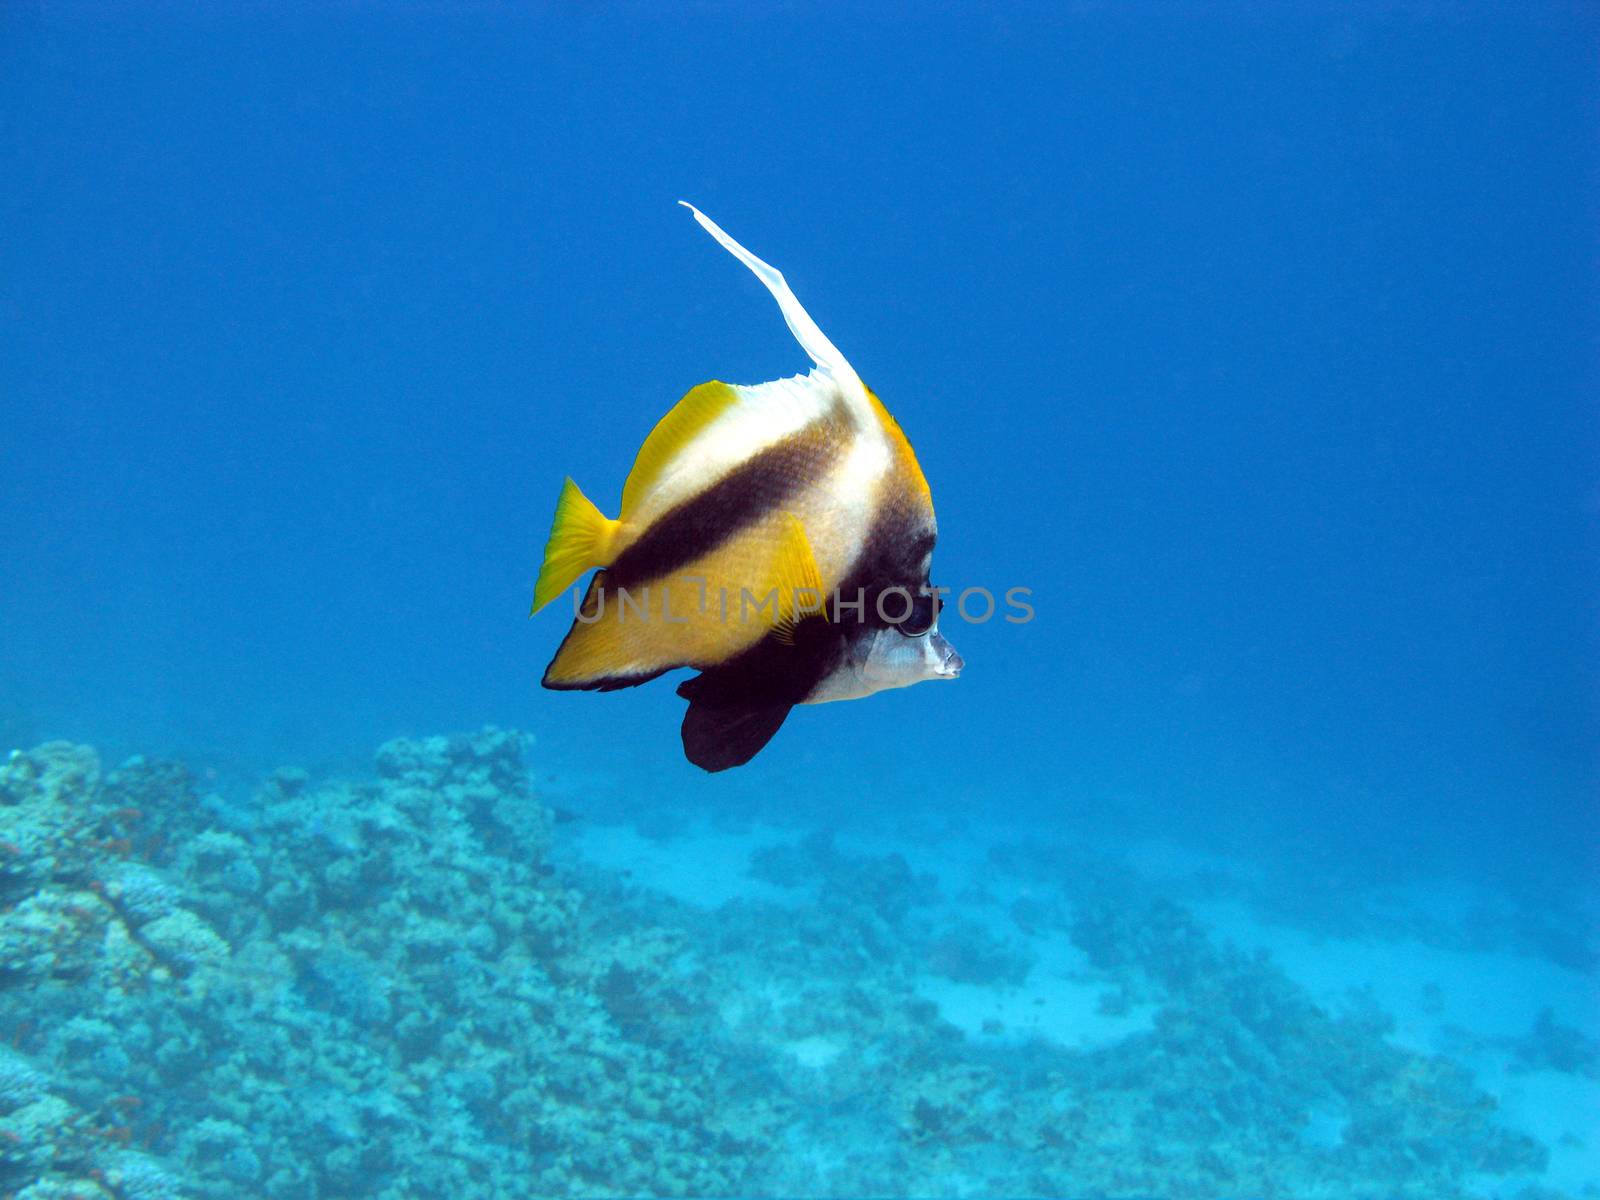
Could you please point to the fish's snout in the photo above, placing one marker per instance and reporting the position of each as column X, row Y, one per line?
column 948, row 662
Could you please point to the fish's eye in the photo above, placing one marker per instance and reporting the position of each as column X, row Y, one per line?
column 924, row 612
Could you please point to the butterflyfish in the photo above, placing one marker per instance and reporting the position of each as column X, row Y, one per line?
column 775, row 537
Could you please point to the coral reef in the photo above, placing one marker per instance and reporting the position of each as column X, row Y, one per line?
column 391, row 987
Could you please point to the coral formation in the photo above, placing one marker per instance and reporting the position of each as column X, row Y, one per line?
column 391, row 987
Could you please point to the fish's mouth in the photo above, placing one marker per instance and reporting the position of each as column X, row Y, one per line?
column 949, row 663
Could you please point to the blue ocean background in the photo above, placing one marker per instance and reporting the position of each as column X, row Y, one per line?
column 1260, row 344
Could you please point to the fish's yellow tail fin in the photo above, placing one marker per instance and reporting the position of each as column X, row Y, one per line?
column 580, row 538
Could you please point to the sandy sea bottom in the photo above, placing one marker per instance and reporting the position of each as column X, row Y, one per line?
column 433, row 980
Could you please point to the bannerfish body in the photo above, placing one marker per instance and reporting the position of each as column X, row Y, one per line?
column 776, row 537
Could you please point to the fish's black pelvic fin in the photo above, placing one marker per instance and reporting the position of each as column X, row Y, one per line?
column 718, row 736
column 735, row 708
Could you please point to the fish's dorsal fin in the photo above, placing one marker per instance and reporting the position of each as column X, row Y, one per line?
column 812, row 340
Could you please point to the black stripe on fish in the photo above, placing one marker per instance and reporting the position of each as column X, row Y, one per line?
column 893, row 554
column 760, row 485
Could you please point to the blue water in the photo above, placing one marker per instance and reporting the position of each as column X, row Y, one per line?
column 1260, row 346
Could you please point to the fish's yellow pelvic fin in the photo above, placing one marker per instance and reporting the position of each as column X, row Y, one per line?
column 580, row 538
column 688, row 419
column 797, row 579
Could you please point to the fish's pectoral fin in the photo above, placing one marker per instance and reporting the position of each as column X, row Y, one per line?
column 721, row 734
column 580, row 538
column 799, row 582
